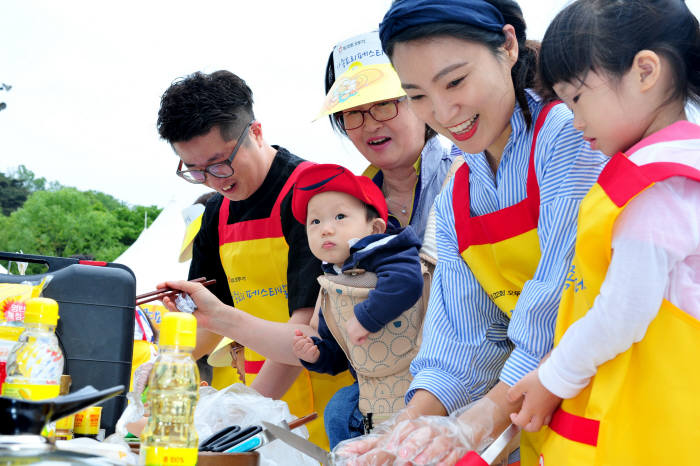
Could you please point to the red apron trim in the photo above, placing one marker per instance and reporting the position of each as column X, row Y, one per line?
column 622, row 179
column 253, row 367
column 504, row 223
column 251, row 230
column 269, row 227
column 472, row 458
column 575, row 428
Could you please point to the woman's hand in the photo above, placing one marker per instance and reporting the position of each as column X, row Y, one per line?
column 208, row 305
column 370, row 447
column 426, row 440
column 538, row 406
column 305, row 348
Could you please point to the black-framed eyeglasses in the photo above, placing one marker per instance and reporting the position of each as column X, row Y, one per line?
column 381, row 111
column 219, row 169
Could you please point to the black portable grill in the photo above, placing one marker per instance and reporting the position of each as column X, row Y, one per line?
column 96, row 324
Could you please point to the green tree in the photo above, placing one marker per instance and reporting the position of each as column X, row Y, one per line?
column 68, row 221
column 13, row 193
column 31, row 182
column 16, row 186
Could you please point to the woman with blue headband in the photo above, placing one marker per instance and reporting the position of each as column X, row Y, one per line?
column 366, row 103
column 506, row 224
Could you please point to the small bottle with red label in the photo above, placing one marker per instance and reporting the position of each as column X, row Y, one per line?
column 35, row 363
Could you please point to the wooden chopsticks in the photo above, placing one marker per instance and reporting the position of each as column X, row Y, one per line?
column 302, row 420
column 161, row 293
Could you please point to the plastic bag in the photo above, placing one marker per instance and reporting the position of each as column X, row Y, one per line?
column 243, row 406
column 423, row 440
column 112, row 448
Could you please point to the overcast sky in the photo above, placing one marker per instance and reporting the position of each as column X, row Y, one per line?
column 87, row 77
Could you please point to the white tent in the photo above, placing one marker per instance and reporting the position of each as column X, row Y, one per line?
column 154, row 255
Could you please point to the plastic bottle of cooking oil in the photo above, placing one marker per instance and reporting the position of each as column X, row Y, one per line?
column 173, row 389
column 35, row 363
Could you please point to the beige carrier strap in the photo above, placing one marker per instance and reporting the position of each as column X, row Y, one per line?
column 382, row 363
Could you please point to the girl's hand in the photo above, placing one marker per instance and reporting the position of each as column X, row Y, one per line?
column 538, row 406
column 357, row 333
column 208, row 305
column 305, row 348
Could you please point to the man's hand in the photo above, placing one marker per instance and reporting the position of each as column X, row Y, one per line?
column 357, row 333
column 305, row 348
column 208, row 305
column 539, row 404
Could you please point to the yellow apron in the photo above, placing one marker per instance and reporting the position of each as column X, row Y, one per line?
column 501, row 248
column 641, row 407
column 254, row 256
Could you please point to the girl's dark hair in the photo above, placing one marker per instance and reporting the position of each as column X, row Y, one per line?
column 524, row 70
column 336, row 117
column 605, row 35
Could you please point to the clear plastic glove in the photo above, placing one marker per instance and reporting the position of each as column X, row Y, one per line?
column 441, row 440
column 141, row 375
column 132, row 419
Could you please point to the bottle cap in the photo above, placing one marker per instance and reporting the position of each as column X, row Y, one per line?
column 178, row 329
column 41, row 311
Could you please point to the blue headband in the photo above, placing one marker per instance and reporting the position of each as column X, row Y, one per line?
column 404, row 14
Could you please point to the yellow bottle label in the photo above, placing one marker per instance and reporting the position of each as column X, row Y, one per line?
column 65, row 423
column 164, row 456
column 34, row 392
column 87, row 421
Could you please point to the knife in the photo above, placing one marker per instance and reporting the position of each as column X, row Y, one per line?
column 494, row 450
column 300, row 443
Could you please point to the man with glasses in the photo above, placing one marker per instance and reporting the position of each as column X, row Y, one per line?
column 249, row 240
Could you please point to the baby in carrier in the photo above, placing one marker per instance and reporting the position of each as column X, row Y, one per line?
column 371, row 307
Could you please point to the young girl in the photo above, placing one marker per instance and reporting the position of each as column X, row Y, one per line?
column 627, row 333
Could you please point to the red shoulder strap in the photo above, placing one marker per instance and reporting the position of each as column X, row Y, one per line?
column 505, row 223
column 270, row 227
column 622, row 179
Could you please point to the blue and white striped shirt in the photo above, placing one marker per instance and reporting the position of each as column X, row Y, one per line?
column 468, row 342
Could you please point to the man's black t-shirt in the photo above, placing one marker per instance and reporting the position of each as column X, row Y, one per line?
column 302, row 268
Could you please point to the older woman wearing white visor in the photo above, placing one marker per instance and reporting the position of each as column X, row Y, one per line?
column 365, row 102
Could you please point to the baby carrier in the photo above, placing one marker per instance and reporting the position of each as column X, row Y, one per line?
column 382, row 362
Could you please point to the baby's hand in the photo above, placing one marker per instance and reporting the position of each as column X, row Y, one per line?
column 356, row 332
column 538, row 406
column 305, row 348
